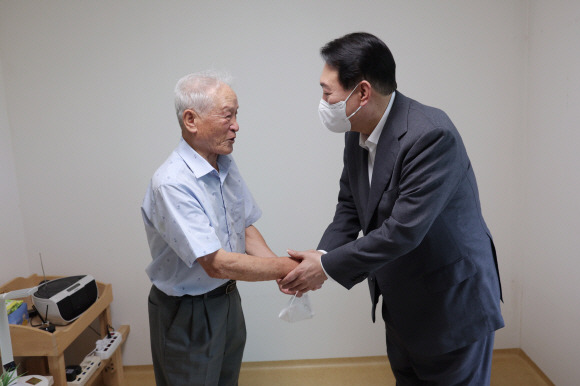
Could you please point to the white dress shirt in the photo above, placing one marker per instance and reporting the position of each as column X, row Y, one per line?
column 370, row 142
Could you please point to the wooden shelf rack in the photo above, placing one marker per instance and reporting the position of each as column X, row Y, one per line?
column 49, row 347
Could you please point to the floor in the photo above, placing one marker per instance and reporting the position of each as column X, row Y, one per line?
column 510, row 367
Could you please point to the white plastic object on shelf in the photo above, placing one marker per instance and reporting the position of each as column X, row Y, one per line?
column 27, row 380
column 107, row 346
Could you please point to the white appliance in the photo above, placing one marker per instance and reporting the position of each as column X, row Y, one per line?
column 63, row 300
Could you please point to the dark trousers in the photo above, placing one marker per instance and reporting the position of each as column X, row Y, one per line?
column 467, row 366
column 196, row 341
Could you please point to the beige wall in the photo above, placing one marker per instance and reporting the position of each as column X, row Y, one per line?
column 551, row 301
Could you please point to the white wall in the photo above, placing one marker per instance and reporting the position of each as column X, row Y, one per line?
column 551, row 307
column 89, row 99
column 12, row 244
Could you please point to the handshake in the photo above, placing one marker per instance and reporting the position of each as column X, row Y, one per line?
column 306, row 274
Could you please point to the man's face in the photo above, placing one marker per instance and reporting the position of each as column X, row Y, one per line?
column 216, row 129
column 333, row 92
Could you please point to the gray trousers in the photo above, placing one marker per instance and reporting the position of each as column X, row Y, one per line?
column 196, row 341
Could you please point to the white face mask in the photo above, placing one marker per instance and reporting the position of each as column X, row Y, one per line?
column 333, row 117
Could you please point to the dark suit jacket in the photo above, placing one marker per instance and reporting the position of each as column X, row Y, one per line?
column 425, row 245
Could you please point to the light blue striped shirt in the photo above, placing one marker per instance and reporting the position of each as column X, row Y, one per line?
column 190, row 210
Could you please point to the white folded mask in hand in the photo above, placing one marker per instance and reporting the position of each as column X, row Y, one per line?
column 298, row 309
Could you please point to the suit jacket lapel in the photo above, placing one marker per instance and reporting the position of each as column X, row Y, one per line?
column 363, row 181
column 387, row 150
column 358, row 171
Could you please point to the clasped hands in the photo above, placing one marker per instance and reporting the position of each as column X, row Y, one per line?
column 307, row 276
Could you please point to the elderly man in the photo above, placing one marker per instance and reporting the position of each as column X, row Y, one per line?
column 198, row 215
column 409, row 186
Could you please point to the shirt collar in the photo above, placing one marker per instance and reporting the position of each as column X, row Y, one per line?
column 199, row 165
column 370, row 142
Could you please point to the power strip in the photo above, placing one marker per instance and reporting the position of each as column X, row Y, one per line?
column 89, row 365
column 107, row 346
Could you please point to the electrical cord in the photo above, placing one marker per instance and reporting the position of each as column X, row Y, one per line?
column 45, row 325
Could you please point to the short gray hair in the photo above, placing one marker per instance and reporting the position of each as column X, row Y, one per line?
column 194, row 91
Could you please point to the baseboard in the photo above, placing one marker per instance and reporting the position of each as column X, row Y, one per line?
column 291, row 364
column 137, row 369
column 316, row 363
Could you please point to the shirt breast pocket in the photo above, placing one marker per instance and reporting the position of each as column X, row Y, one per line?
column 237, row 216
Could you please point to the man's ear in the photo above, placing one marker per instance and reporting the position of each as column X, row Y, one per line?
column 366, row 91
column 190, row 120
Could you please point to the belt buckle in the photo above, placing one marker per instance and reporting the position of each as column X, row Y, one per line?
column 230, row 287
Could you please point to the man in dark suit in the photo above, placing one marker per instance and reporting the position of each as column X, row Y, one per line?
column 408, row 185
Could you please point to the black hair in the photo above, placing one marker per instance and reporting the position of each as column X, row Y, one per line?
column 361, row 56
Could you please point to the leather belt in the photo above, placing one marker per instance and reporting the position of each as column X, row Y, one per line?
column 224, row 289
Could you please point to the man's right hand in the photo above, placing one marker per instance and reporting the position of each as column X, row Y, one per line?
column 308, row 276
